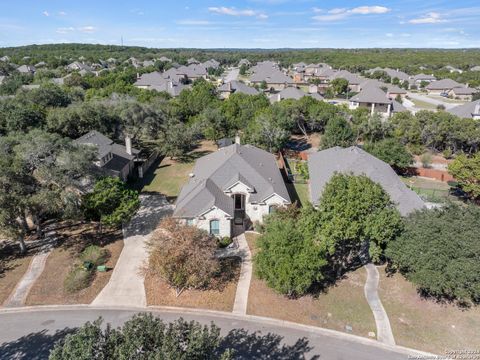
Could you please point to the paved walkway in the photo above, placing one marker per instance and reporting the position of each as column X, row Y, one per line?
column 126, row 287
column 384, row 330
column 243, row 286
column 35, row 269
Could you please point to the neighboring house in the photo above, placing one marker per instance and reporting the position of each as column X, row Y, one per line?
column 292, row 93
column 244, row 62
column 419, row 78
column 393, row 91
column 26, row 69
column 299, row 67
column 324, row 164
column 453, row 69
column 373, row 98
column 40, row 64
column 442, row 86
column 212, row 63
column 236, row 185
column 462, row 93
column 31, row 86
column 78, row 66
column 193, row 61
column 475, row 68
column 192, row 71
column 165, row 59
column 159, row 82
column 234, row 86
column 148, row 63
column 469, row 110
column 274, row 78
column 5, row 58
column 353, row 80
column 114, row 159
column 1, row 79
column 400, row 75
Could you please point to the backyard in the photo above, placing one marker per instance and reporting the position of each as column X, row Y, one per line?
column 430, row 190
column 342, row 306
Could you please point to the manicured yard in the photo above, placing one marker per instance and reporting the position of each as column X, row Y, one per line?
column 425, row 324
column 170, row 175
column 303, row 193
column 344, row 304
column 222, row 298
column 49, row 287
column 429, row 189
column 12, row 269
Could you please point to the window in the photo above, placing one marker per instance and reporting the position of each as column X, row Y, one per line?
column 214, row 227
column 189, row 222
column 272, row 209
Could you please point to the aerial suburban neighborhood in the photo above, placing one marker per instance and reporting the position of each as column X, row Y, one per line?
column 244, row 198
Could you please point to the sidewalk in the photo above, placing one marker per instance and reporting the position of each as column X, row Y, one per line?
column 243, row 286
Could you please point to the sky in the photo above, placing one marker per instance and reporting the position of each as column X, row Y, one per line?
column 243, row 24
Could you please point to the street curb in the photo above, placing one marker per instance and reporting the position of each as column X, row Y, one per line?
column 228, row 315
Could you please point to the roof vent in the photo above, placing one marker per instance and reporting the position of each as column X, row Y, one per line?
column 191, row 175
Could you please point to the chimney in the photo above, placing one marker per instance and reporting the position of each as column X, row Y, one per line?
column 128, row 145
column 170, row 85
column 237, row 139
column 138, row 75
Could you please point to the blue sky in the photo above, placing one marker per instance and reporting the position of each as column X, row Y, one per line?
column 243, row 24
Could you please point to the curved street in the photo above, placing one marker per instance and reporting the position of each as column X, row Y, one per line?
column 29, row 333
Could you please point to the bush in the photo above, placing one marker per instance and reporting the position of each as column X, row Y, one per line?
column 78, row 278
column 439, row 252
column 224, row 242
column 95, row 254
column 426, row 160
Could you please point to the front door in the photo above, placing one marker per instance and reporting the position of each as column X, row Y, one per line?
column 239, row 205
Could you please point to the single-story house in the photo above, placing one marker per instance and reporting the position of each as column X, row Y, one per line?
column 78, row 66
column 469, row 110
column 324, row 164
column 237, row 87
column 231, row 189
column 393, row 91
column 114, row 159
column 353, row 80
column 193, row 61
column 442, row 86
column 274, row 78
column 292, row 93
column 462, row 93
column 157, row 81
column 419, row 78
column 164, row 59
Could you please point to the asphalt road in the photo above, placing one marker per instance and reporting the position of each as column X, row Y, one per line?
column 31, row 335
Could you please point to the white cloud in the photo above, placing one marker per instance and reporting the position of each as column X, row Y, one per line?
column 342, row 13
column 87, row 29
column 389, row 35
column 62, row 13
column 65, row 30
column 430, row 18
column 222, row 10
column 45, row 13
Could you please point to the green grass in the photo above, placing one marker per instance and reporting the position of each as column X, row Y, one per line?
column 303, row 193
column 430, row 190
column 423, row 104
column 168, row 178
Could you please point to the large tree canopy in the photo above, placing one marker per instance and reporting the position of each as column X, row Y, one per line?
column 467, row 172
column 439, row 252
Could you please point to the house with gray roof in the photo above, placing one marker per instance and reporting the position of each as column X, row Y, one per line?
column 442, row 86
column 475, row 68
column 212, row 63
column 274, row 78
column 353, row 80
column 462, row 93
column 114, row 159
column 165, row 59
column 78, row 66
column 374, row 99
column 231, row 189
column 192, row 71
column 469, row 110
column 324, row 164
column 159, row 82
column 193, row 61
column 238, row 87
column 419, row 78
column 5, row 58
column 1, row 79
column 292, row 93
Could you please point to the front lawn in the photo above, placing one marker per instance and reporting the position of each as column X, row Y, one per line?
column 12, row 269
column 426, row 324
column 303, row 193
column 50, row 289
column 343, row 305
column 220, row 298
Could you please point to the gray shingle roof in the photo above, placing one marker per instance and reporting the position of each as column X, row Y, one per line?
column 216, row 172
column 347, row 75
column 371, row 94
column 445, row 84
column 468, row 110
column 324, row 164
column 105, row 145
column 235, row 86
column 151, row 79
column 464, row 91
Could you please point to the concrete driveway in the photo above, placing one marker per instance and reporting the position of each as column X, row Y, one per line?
column 126, row 287
column 430, row 100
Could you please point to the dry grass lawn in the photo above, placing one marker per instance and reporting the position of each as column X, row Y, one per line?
column 49, row 289
column 12, row 269
column 344, row 304
column 425, row 324
column 160, row 294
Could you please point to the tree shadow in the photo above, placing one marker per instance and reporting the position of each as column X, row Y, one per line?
column 192, row 156
column 269, row 346
column 229, row 270
column 32, row 346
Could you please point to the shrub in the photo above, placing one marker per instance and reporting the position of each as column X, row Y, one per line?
column 78, row 278
column 95, row 254
column 426, row 160
column 224, row 241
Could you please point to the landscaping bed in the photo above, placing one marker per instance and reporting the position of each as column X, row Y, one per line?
column 221, row 299
column 426, row 324
column 342, row 305
column 65, row 261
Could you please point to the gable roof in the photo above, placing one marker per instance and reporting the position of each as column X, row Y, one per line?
column 371, row 94
column 347, row 75
column 105, row 145
column 324, row 164
column 270, row 75
column 254, row 167
column 445, row 84
column 464, row 91
column 468, row 110
column 235, row 86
